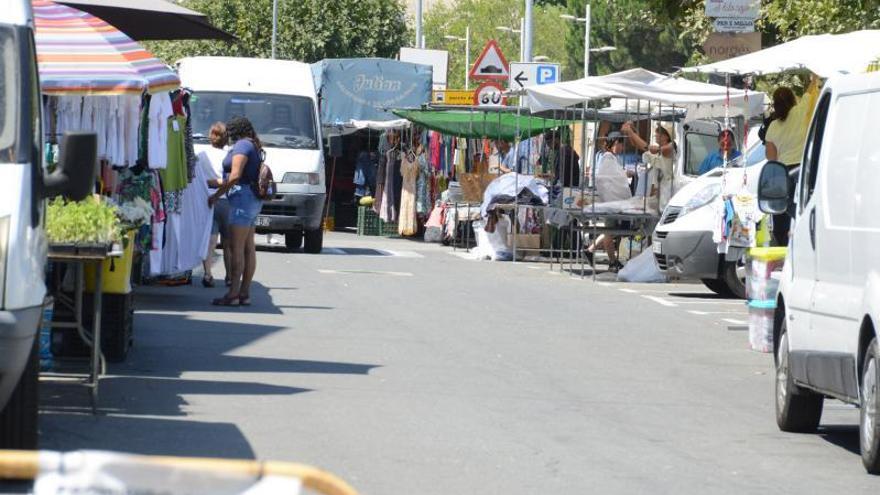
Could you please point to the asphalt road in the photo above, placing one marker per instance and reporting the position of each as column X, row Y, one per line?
column 407, row 369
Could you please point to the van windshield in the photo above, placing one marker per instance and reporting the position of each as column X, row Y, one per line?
column 9, row 100
column 281, row 121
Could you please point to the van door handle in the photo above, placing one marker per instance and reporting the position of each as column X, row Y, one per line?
column 813, row 228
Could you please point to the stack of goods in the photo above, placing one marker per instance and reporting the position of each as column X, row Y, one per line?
column 761, row 289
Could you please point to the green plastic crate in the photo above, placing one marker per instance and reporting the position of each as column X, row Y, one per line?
column 369, row 223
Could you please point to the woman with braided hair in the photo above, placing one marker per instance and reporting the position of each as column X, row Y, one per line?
column 242, row 168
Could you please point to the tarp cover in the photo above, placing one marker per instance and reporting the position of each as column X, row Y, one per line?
column 699, row 99
column 823, row 54
column 366, row 89
column 481, row 124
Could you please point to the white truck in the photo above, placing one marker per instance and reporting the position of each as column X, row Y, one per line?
column 24, row 186
column 278, row 96
column 828, row 307
column 683, row 243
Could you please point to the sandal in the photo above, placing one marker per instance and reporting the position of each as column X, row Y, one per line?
column 208, row 282
column 228, row 281
column 244, row 299
column 227, row 301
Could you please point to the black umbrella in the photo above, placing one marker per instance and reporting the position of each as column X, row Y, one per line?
column 151, row 19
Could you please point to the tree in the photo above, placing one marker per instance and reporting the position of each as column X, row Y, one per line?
column 641, row 31
column 483, row 17
column 308, row 30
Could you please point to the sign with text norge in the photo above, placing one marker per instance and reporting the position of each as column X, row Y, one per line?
column 733, row 8
column 722, row 46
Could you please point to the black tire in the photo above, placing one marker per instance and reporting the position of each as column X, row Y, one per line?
column 797, row 410
column 314, row 241
column 736, row 286
column 869, row 430
column 293, row 240
column 18, row 420
column 717, row 286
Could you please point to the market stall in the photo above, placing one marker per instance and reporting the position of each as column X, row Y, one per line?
column 151, row 199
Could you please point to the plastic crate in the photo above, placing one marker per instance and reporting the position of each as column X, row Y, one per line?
column 370, row 224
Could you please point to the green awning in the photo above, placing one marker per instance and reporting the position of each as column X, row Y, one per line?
column 481, row 124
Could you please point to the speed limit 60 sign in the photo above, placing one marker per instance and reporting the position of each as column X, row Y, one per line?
column 489, row 94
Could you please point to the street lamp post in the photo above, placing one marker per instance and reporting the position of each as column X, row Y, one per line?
column 587, row 49
column 519, row 31
column 467, row 52
column 274, row 26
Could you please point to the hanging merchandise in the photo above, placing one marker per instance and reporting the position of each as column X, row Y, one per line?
column 409, row 169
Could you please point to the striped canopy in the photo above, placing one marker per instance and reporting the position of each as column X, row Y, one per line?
column 79, row 54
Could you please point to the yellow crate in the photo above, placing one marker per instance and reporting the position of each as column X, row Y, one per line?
column 117, row 271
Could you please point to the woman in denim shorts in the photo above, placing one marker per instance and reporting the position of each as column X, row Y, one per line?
column 242, row 166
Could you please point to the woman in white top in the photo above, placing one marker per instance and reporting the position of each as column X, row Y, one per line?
column 612, row 184
column 659, row 156
column 211, row 161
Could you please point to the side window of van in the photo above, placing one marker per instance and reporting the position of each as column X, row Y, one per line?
column 813, row 151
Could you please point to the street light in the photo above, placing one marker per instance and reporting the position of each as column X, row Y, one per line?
column 586, row 21
column 540, row 58
column 520, row 32
column 467, row 52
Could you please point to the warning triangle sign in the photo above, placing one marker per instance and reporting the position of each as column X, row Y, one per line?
column 491, row 64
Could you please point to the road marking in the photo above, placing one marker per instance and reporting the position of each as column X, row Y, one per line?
column 365, row 272
column 733, row 321
column 661, row 301
column 401, row 254
column 629, row 291
column 705, row 313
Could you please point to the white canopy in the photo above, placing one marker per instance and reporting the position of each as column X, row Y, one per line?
column 699, row 99
column 352, row 126
column 823, row 54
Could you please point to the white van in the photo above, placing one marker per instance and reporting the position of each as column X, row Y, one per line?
column 828, row 308
column 23, row 246
column 278, row 96
column 683, row 243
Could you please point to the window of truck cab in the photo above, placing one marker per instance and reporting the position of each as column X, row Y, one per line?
column 281, row 121
column 10, row 80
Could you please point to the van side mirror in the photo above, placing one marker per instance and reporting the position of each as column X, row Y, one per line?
column 773, row 189
column 75, row 175
column 335, row 144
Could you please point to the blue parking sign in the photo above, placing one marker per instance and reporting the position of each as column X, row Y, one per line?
column 547, row 74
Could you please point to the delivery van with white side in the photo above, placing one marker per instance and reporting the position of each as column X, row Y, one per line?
column 278, row 97
column 828, row 307
column 23, row 248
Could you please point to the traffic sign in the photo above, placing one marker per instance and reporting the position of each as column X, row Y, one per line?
column 491, row 64
column 525, row 74
column 453, row 97
column 490, row 94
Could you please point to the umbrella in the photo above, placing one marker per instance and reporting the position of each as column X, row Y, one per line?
column 81, row 54
column 152, row 19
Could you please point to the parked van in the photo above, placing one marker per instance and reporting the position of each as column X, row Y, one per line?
column 23, row 246
column 683, row 244
column 828, row 308
column 278, row 96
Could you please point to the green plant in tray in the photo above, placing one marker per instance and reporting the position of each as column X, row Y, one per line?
column 90, row 221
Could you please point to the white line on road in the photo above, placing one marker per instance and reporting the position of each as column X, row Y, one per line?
column 629, row 291
column 735, row 322
column 704, row 313
column 365, row 272
column 661, row 301
column 402, row 254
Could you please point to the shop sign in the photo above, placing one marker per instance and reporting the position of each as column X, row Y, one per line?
column 491, row 64
column 749, row 9
column 734, row 25
column 722, row 46
column 453, row 97
column 489, row 94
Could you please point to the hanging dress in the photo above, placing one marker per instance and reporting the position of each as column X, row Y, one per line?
column 423, row 184
column 664, row 166
column 409, row 169
column 388, row 208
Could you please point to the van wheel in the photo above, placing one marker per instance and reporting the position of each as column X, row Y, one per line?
column 717, row 286
column 797, row 410
column 733, row 274
column 314, row 241
column 293, row 240
column 18, row 421
column 869, row 433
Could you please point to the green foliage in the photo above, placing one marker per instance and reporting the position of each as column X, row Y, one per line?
column 794, row 18
column 308, row 30
column 88, row 221
column 483, row 17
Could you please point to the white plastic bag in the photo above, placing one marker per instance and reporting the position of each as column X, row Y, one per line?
column 643, row 268
column 493, row 245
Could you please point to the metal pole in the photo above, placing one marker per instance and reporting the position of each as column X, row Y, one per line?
column 522, row 39
column 467, row 56
column 274, row 26
column 587, row 42
column 527, row 33
column 419, row 24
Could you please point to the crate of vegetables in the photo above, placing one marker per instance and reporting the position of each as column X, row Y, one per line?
column 89, row 227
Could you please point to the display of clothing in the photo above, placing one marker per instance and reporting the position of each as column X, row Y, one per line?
column 174, row 175
column 409, row 170
column 365, row 173
column 182, row 240
column 423, row 184
column 612, row 184
column 664, row 165
column 388, row 206
column 159, row 111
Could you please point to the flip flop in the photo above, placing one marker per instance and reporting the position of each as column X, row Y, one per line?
column 227, row 301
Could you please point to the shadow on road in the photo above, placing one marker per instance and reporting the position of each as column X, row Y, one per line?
column 701, row 295
column 844, row 436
